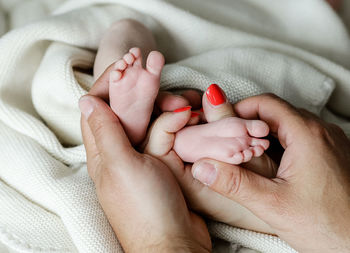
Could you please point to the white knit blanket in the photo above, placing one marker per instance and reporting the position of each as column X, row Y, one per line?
column 298, row 49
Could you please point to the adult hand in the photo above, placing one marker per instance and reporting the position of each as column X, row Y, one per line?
column 219, row 208
column 308, row 203
column 138, row 192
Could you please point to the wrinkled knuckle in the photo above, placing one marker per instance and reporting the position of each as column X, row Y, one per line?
column 275, row 200
column 232, row 188
column 97, row 128
column 337, row 129
column 94, row 164
column 272, row 98
column 277, row 203
column 317, row 129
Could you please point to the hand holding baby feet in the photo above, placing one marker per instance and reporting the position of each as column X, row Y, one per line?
column 232, row 140
column 160, row 138
column 159, row 143
column 133, row 90
column 197, row 194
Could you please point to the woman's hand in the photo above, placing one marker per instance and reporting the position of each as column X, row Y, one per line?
column 308, row 203
column 138, row 192
column 197, row 194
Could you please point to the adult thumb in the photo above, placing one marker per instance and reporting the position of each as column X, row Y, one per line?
column 236, row 183
column 105, row 130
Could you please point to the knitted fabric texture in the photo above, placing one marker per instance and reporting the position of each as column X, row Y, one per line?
column 298, row 50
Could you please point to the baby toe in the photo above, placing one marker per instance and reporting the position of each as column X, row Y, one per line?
column 121, row 65
column 129, row 58
column 114, row 76
column 257, row 128
column 135, row 51
column 247, row 155
column 237, row 158
column 155, row 63
column 257, row 151
column 260, row 142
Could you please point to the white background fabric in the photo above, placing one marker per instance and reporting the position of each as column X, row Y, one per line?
column 295, row 48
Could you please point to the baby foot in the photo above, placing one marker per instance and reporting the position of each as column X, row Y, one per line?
column 232, row 140
column 133, row 90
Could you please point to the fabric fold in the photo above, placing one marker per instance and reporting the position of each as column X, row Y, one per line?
column 246, row 46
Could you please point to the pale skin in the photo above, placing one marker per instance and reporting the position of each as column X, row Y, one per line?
column 233, row 214
column 338, row 225
column 138, row 192
column 132, row 91
column 307, row 203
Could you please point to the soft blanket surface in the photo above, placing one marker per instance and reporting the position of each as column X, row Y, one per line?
column 299, row 50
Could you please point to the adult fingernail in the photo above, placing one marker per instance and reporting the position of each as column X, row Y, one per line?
column 86, row 106
column 205, row 173
column 194, row 114
column 186, row 108
column 215, row 95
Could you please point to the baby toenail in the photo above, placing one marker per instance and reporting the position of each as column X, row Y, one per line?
column 205, row 173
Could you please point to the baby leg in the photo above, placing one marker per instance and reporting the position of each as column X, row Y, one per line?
column 118, row 39
column 132, row 89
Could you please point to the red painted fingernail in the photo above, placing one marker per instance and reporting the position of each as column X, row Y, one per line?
column 215, row 95
column 202, row 110
column 194, row 114
column 186, row 108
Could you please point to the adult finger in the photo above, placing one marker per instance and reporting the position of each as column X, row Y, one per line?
column 168, row 102
column 92, row 153
column 162, row 133
column 215, row 104
column 101, row 85
column 109, row 136
column 283, row 119
column 194, row 98
column 243, row 186
column 99, row 89
column 195, row 118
